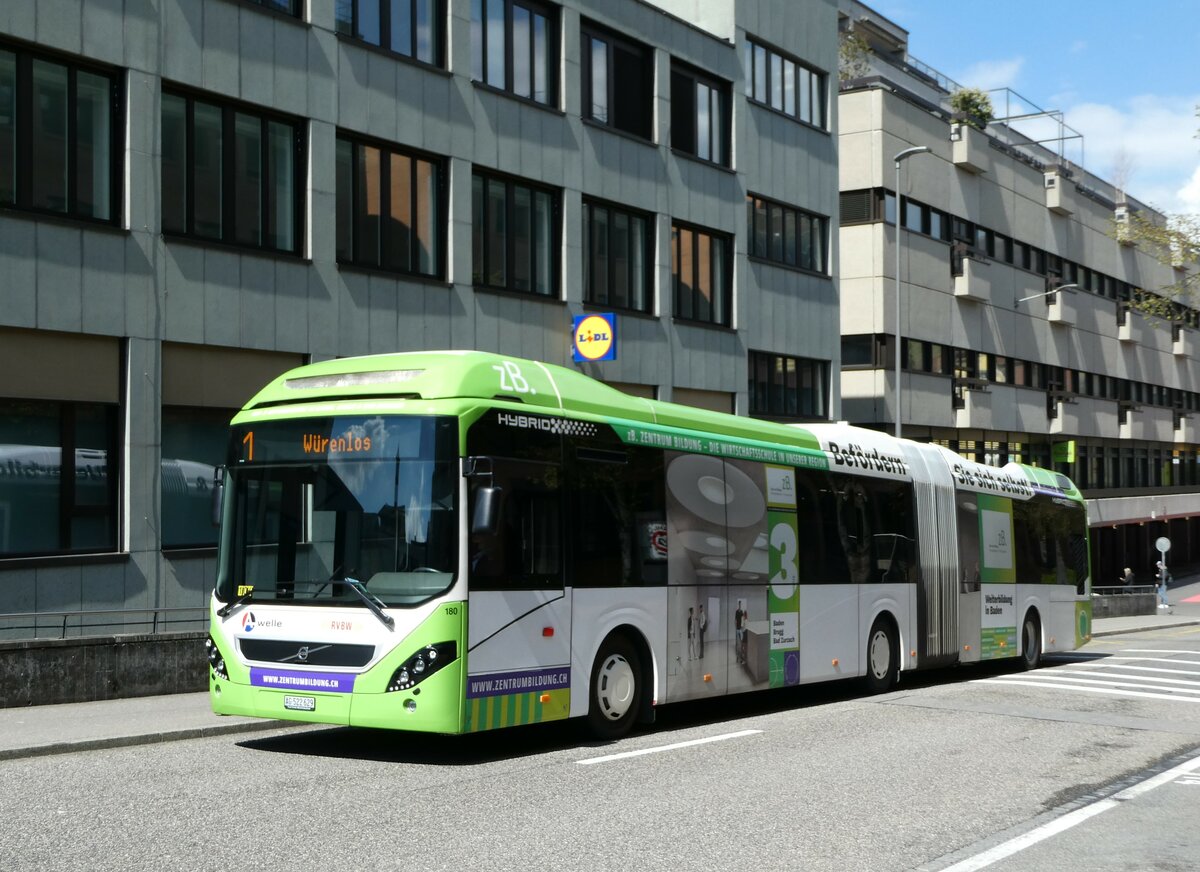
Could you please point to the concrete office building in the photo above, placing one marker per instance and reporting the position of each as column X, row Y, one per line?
column 993, row 366
column 198, row 194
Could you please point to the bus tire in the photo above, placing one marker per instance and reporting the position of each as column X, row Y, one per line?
column 1031, row 641
column 883, row 657
column 615, row 692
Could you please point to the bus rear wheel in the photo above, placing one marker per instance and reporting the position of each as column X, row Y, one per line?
column 616, row 689
column 1031, row 641
column 883, row 658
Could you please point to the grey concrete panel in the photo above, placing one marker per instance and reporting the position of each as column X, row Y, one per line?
column 59, row 588
column 143, row 281
column 324, row 280
column 222, row 276
column 19, row 20
column 257, row 301
column 438, row 318
column 381, row 96
column 291, row 310
column 256, row 53
column 60, row 25
column 183, row 293
column 353, row 323
column 18, row 593
column 18, row 273
column 59, row 277
column 102, row 28
column 353, row 81
column 221, row 63
column 289, row 68
column 183, row 42
column 385, row 326
column 322, row 53
column 142, row 35
column 104, row 283
column 104, row 586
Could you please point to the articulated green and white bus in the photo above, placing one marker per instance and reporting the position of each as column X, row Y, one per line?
column 461, row 541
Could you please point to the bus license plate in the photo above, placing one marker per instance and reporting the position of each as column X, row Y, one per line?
column 300, row 703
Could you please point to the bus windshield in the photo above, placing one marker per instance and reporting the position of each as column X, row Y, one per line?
column 315, row 507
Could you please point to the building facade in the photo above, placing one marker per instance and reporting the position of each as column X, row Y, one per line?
column 995, row 363
column 198, row 194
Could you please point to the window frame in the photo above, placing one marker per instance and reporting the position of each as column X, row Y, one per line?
column 589, row 31
column 750, row 73
column 437, row 18
column 23, row 134
column 440, row 226
column 792, row 408
column 727, row 273
column 682, row 70
column 510, row 184
column 229, row 109
column 552, row 14
column 589, row 204
column 69, row 505
column 800, row 218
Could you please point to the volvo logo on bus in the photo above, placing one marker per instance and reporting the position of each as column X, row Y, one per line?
column 302, row 654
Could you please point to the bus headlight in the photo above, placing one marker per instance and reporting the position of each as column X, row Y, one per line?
column 216, row 660
column 421, row 665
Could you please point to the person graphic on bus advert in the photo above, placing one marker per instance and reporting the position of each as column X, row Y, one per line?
column 701, row 626
column 691, row 630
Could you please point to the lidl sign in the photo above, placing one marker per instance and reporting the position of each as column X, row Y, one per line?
column 594, row 337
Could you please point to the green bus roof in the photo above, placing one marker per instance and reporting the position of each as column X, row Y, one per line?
column 541, row 387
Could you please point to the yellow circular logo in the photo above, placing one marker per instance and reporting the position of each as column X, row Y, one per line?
column 594, row 337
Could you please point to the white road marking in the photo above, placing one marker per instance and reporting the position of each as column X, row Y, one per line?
column 1176, row 660
column 1105, row 690
column 1114, row 681
column 1150, row 678
column 1151, row 669
column 661, row 748
column 1061, row 824
column 1158, row 650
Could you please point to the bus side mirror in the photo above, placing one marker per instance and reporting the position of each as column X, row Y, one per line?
column 486, row 513
column 218, row 495
column 487, row 510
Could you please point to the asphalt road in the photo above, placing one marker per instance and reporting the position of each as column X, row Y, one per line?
column 1023, row 770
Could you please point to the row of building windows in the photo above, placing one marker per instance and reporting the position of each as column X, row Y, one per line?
column 870, row 351
column 974, row 240
column 1098, row 464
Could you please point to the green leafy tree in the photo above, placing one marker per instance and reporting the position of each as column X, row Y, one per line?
column 973, row 106
column 853, row 56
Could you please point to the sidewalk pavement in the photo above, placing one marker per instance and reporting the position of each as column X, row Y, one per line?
column 36, row 731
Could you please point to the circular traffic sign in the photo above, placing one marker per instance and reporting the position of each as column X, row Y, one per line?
column 1162, row 543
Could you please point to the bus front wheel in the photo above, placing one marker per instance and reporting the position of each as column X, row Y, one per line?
column 615, row 689
column 883, row 659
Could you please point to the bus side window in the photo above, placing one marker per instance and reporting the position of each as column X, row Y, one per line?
column 525, row 549
column 892, row 504
column 854, row 528
column 618, row 506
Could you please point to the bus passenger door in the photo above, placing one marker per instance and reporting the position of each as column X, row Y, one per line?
column 519, row 613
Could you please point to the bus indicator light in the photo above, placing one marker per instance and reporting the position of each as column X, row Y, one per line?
column 547, row 632
column 708, row 676
column 544, row 698
column 835, row 662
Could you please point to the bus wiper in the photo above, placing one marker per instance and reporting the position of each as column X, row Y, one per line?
column 369, row 600
column 223, row 611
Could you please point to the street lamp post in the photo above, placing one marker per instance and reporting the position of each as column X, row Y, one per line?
column 1071, row 287
column 904, row 155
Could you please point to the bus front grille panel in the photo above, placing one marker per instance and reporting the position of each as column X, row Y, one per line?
column 301, row 653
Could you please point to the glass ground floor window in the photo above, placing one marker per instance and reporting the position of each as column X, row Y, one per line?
column 194, row 443
column 58, row 477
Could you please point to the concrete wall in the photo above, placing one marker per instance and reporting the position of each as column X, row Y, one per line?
column 47, row 672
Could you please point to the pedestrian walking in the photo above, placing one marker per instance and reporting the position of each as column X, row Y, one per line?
column 1164, row 580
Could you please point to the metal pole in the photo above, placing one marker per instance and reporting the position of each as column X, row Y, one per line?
column 907, row 153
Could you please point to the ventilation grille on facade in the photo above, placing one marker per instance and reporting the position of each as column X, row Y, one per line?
column 856, row 206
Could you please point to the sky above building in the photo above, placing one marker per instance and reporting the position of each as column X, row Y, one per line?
column 1125, row 75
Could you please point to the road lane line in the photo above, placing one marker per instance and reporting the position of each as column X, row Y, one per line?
column 1148, row 669
column 1157, row 660
column 1159, row 650
column 1105, row 690
column 1111, row 682
column 661, row 748
column 1071, row 819
column 1151, row 678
